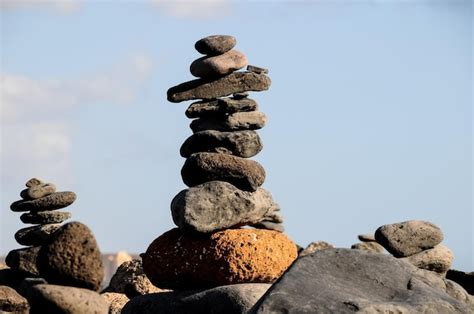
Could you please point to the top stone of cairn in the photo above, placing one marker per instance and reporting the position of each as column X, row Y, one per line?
column 215, row 44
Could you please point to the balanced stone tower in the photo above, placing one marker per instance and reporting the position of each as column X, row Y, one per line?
column 213, row 244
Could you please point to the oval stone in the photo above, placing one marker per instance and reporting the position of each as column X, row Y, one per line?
column 215, row 44
column 211, row 67
column 220, row 107
column 251, row 120
column 35, row 235
column 46, row 217
column 38, row 191
column 52, row 201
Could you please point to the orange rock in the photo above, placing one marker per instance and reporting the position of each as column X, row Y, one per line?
column 177, row 261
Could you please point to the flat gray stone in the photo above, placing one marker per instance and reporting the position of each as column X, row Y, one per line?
column 24, row 260
column 251, row 120
column 46, row 217
column 11, row 301
column 231, row 299
column 347, row 281
column 256, row 69
column 218, row 205
column 408, row 237
column 245, row 174
column 215, row 44
column 52, row 201
column 216, row 66
column 238, row 143
column 437, row 259
column 236, row 82
column 368, row 246
column 366, row 237
column 36, row 235
column 220, row 107
column 38, row 191
column 54, row 299
column 29, row 282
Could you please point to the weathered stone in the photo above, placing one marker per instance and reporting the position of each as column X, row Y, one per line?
column 33, row 182
column 268, row 225
column 315, row 246
column 24, row 260
column 437, row 259
column 368, row 246
column 245, row 174
column 220, row 107
column 29, row 282
column 239, row 143
column 131, row 280
column 273, row 220
column 215, row 44
column 366, row 237
column 38, row 191
column 218, row 205
column 256, row 69
column 45, row 217
column 216, row 66
column 179, row 261
column 35, row 235
column 209, row 89
column 346, row 281
column 53, row 299
column 251, row 120
column 11, row 301
column 71, row 257
column 466, row 280
column 231, row 299
column 116, row 301
column 408, row 237
column 52, row 201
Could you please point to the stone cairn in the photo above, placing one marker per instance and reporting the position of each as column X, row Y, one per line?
column 209, row 248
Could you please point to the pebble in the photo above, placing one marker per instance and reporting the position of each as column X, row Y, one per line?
column 215, row 44
column 38, row 191
column 220, row 107
column 259, row 70
column 251, row 120
column 36, row 235
column 216, row 66
column 368, row 246
column 52, row 201
column 45, row 217
column 366, row 237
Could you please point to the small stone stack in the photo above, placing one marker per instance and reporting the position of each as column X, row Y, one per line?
column 40, row 201
column 209, row 248
column 367, row 243
column 417, row 242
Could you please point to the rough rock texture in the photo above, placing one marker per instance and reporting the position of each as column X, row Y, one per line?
column 315, row 246
column 33, row 182
column 45, row 217
column 38, row 191
column 437, row 259
column 245, row 174
column 53, row 201
column 232, row 299
column 220, row 107
column 240, row 143
column 251, row 120
column 346, row 281
column 408, row 237
column 215, row 66
column 178, row 261
column 218, row 205
column 215, row 44
column 131, row 280
column 35, row 235
column 366, row 237
column 71, row 257
column 11, row 301
column 116, row 301
column 24, row 260
column 368, row 246
column 54, row 299
column 209, row 89
column 466, row 280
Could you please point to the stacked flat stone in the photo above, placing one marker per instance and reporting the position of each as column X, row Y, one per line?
column 417, row 242
column 209, row 248
column 367, row 243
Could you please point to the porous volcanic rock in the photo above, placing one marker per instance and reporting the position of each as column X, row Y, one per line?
column 54, row 299
column 239, row 143
column 220, row 107
column 251, row 120
column 215, row 66
column 11, row 301
column 437, row 259
column 346, row 281
column 218, row 205
column 408, row 237
column 38, row 191
column 236, row 82
column 52, row 201
column 215, row 44
column 368, row 246
column 116, row 301
column 71, row 257
column 245, row 174
column 45, row 217
column 35, row 235
column 24, row 260
column 179, row 261
column 231, row 299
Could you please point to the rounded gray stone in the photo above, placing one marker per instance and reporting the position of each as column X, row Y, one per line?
column 52, row 201
column 216, row 66
column 366, row 237
column 36, row 235
column 38, row 191
column 220, row 107
column 215, row 44
column 45, row 217
column 251, row 120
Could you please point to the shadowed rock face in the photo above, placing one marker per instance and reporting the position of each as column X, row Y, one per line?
column 346, row 281
column 179, row 261
column 71, row 257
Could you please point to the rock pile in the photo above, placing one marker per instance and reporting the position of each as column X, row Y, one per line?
column 367, row 243
column 417, row 242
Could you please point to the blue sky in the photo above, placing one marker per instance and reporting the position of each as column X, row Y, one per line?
column 370, row 112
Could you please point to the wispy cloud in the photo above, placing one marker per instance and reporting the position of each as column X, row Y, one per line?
column 199, row 9
column 60, row 6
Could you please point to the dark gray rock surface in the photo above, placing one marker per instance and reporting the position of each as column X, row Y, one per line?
column 215, row 44
column 46, row 217
column 35, row 235
column 220, row 107
column 251, row 120
column 24, row 260
column 52, row 201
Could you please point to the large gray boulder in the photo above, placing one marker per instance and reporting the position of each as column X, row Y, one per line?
column 231, row 299
column 346, row 281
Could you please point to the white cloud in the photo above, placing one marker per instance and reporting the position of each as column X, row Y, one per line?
column 61, row 6
column 201, row 9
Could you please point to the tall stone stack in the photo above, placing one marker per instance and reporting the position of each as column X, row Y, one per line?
column 210, row 248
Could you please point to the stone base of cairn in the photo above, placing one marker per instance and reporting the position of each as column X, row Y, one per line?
column 209, row 248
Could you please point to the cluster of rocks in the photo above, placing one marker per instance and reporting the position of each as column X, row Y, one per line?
column 210, row 254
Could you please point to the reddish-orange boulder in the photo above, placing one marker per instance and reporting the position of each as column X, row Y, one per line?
column 177, row 261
